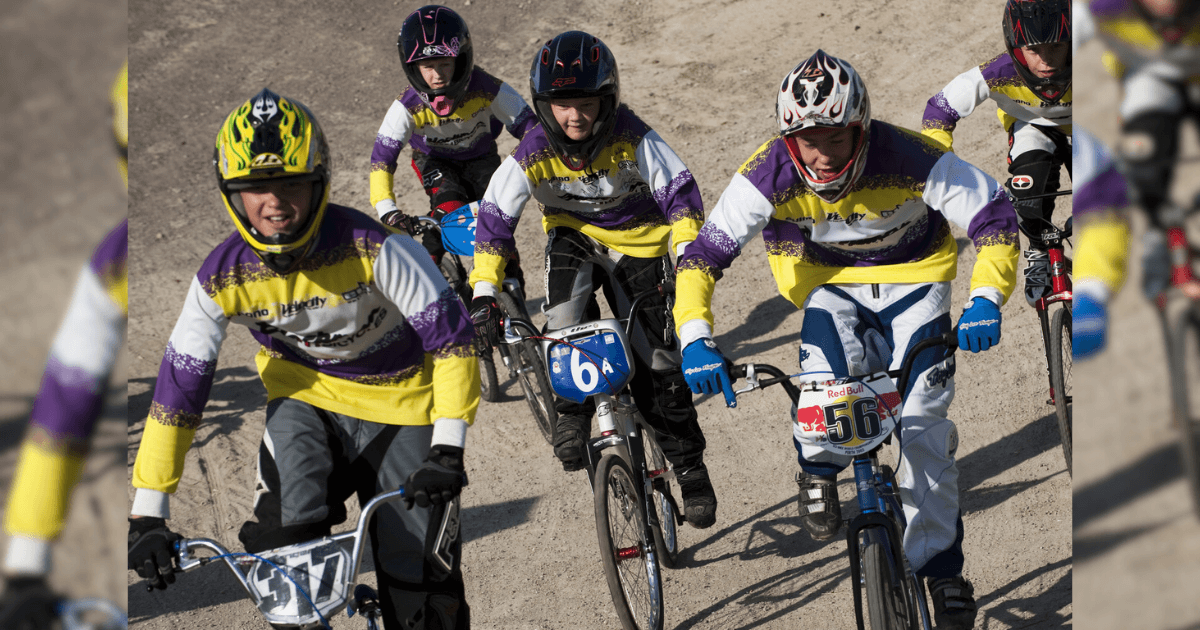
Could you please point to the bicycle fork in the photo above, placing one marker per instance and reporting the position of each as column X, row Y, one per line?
column 874, row 521
column 1060, row 291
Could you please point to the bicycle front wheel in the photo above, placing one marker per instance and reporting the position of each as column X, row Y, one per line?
column 626, row 548
column 531, row 372
column 1183, row 352
column 887, row 598
column 1060, row 376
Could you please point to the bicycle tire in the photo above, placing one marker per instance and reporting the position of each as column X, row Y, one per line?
column 531, row 373
column 666, row 535
column 1060, row 377
column 886, row 596
column 1184, row 356
column 631, row 564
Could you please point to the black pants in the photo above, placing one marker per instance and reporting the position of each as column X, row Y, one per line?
column 1035, row 172
column 576, row 266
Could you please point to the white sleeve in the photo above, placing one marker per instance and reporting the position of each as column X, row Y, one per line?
column 407, row 276
column 966, row 91
column 92, row 330
column 508, row 105
column 741, row 212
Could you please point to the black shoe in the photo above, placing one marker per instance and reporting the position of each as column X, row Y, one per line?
column 699, row 499
column 570, row 439
column 953, row 603
column 820, row 510
column 1037, row 275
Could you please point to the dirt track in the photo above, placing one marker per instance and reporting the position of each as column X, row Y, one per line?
column 1137, row 537
column 60, row 194
column 703, row 74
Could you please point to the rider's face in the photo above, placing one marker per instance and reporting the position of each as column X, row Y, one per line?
column 825, row 151
column 1043, row 60
column 277, row 207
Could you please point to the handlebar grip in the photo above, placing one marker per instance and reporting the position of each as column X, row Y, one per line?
column 737, row 371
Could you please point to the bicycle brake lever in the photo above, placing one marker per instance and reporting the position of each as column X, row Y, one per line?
column 751, row 380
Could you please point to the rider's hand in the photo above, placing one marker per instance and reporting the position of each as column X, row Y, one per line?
column 150, row 550
column 400, row 221
column 979, row 326
column 27, row 604
column 438, row 480
column 705, row 371
column 485, row 314
column 1089, row 325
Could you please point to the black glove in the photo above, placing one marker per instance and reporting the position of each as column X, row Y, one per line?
column 27, row 604
column 400, row 221
column 485, row 314
column 438, row 480
column 150, row 551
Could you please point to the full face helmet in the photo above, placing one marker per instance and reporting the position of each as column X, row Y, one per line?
column 1171, row 21
column 270, row 139
column 431, row 32
column 119, row 96
column 575, row 65
column 1032, row 22
column 825, row 92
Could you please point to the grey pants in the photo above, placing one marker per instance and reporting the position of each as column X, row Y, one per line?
column 311, row 460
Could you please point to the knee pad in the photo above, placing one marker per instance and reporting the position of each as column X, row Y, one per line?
column 1033, row 173
column 1149, row 144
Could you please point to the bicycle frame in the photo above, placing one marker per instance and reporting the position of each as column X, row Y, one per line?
column 1061, row 292
column 880, row 510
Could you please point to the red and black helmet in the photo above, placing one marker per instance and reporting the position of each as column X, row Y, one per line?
column 1033, row 22
column 430, row 32
column 575, row 65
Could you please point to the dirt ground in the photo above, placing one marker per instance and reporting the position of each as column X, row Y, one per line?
column 703, row 73
column 60, row 193
column 1137, row 537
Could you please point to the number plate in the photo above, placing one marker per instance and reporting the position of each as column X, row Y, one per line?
column 848, row 416
column 458, row 230
column 594, row 364
column 320, row 567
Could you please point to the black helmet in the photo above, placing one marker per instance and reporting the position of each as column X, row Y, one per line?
column 575, row 65
column 1173, row 26
column 436, row 31
column 1032, row 22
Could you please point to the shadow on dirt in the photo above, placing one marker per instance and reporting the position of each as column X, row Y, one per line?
column 1043, row 608
column 992, row 460
column 1120, row 487
column 484, row 520
column 235, row 393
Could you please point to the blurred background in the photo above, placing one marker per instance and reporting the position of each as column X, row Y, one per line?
column 1137, row 536
column 60, row 193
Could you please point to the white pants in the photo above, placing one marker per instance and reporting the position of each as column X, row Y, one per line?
column 858, row 329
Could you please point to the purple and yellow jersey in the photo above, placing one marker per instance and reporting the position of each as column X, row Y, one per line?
column 1134, row 46
column 634, row 198
column 469, row 132
column 68, row 403
column 998, row 80
column 366, row 327
column 1100, row 202
column 891, row 227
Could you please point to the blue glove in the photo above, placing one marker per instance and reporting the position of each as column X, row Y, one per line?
column 1089, row 326
column 705, row 372
column 979, row 326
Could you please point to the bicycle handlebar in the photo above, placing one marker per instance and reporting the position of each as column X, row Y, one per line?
column 509, row 336
column 749, row 371
column 186, row 561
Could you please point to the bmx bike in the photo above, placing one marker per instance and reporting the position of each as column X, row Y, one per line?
column 1054, row 317
column 1179, row 312
column 637, row 516
column 523, row 361
column 301, row 586
column 857, row 416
